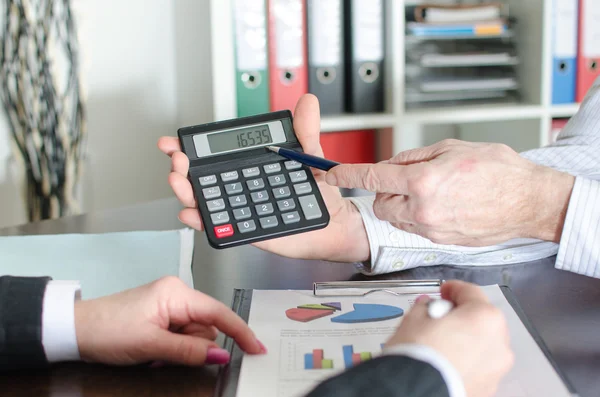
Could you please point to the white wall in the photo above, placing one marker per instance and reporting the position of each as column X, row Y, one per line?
column 146, row 74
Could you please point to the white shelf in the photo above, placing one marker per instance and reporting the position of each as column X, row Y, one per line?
column 532, row 34
column 472, row 114
column 357, row 122
column 564, row 110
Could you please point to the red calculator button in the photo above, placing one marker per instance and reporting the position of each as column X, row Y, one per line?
column 224, row 231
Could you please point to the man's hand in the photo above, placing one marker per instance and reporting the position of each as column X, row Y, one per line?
column 161, row 321
column 474, row 336
column 343, row 240
column 464, row 193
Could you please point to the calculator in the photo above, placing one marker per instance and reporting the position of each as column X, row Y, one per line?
column 245, row 192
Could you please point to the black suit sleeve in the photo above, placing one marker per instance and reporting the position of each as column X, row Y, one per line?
column 393, row 376
column 21, row 304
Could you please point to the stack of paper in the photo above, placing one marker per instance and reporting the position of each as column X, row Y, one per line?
column 460, row 53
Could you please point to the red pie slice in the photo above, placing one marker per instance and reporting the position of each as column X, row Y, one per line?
column 306, row 315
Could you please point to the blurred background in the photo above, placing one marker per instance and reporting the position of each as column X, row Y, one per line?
column 390, row 75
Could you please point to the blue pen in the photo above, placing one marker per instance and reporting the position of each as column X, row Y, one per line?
column 303, row 158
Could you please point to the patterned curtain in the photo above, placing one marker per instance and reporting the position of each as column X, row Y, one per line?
column 41, row 93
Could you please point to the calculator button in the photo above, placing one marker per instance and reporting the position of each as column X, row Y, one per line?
column 286, row 205
column 229, row 176
column 292, row 165
column 298, row 176
column 215, row 205
column 264, row 209
column 208, row 180
column 237, row 201
column 256, row 184
column 272, row 168
column 242, row 213
column 310, row 207
column 277, row 180
column 291, row 217
column 259, row 197
column 268, row 222
column 234, row 188
column 219, row 218
column 302, row 188
column 224, row 231
column 247, row 227
column 250, row 172
column 211, row 192
column 281, row 192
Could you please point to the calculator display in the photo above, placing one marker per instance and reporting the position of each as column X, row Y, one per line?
column 237, row 139
column 240, row 138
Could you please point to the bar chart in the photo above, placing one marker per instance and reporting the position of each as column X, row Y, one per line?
column 351, row 358
column 315, row 360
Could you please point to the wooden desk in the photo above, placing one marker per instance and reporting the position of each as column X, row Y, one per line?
column 564, row 307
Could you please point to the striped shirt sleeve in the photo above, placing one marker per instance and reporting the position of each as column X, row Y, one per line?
column 577, row 152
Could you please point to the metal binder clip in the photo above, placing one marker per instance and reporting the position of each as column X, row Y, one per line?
column 363, row 288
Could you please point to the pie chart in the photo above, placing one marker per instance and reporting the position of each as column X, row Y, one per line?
column 368, row 312
column 312, row 311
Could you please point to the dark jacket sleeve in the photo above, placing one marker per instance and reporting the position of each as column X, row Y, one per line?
column 21, row 304
column 393, row 376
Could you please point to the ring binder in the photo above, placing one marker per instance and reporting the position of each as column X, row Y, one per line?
column 395, row 287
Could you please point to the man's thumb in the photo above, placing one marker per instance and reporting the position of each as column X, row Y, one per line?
column 378, row 178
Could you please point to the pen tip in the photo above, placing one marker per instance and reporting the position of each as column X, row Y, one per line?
column 273, row 148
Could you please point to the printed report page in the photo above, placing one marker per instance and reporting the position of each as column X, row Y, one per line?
column 310, row 339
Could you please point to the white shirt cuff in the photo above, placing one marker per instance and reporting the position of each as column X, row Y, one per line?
column 393, row 249
column 579, row 250
column 454, row 382
column 58, row 321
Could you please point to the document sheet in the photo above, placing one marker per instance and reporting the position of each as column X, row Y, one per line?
column 312, row 338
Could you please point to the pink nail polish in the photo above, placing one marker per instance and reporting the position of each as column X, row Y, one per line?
column 263, row 349
column 216, row 355
column 422, row 298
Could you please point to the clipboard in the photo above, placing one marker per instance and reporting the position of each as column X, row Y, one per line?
column 228, row 375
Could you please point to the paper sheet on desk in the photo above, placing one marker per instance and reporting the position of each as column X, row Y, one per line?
column 295, row 347
column 103, row 263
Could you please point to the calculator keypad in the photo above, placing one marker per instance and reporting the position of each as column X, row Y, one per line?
column 258, row 198
column 238, row 201
column 233, row 188
column 286, row 205
column 219, row 218
column 215, row 205
column 247, row 227
column 208, row 180
column 291, row 217
column 302, row 188
column 272, row 168
column 250, row 172
column 264, row 209
column 211, row 192
column 229, row 176
column 281, row 192
column 277, row 180
column 268, row 222
column 292, row 165
column 256, row 184
column 242, row 213
column 298, row 176
column 310, row 207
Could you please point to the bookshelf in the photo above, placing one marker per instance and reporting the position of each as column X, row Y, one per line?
column 522, row 125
